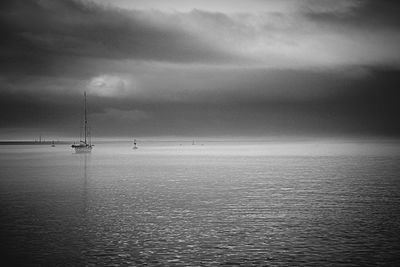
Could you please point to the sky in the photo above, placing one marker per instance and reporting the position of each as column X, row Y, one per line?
column 210, row 68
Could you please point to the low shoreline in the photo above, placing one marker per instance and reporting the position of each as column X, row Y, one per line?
column 34, row 143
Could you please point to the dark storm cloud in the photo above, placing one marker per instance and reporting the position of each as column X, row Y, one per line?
column 365, row 106
column 356, row 106
column 44, row 36
column 360, row 13
column 295, row 67
column 35, row 34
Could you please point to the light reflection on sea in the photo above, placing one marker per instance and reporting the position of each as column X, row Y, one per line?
column 311, row 204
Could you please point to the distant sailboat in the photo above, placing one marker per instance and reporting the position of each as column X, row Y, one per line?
column 134, row 144
column 85, row 145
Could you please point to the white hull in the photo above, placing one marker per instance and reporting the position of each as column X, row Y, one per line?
column 82, row 148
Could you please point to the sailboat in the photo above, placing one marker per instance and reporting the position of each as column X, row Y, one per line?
column 85, row 145
column 134, row 144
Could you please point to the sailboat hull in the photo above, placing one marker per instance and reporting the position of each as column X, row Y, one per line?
column 82, row 148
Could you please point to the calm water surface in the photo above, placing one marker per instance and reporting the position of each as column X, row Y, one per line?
column 266, row 204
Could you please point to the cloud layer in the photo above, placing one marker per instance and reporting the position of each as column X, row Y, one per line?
column 201, row 66
column 309, row 33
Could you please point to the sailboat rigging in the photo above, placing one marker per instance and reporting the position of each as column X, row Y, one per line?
column 85, row 145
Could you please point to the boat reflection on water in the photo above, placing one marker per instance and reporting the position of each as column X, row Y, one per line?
column 84, row 158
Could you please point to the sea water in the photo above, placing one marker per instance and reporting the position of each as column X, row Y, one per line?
column 321, row 203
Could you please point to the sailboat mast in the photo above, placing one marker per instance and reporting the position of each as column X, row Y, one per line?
column 84, row 93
